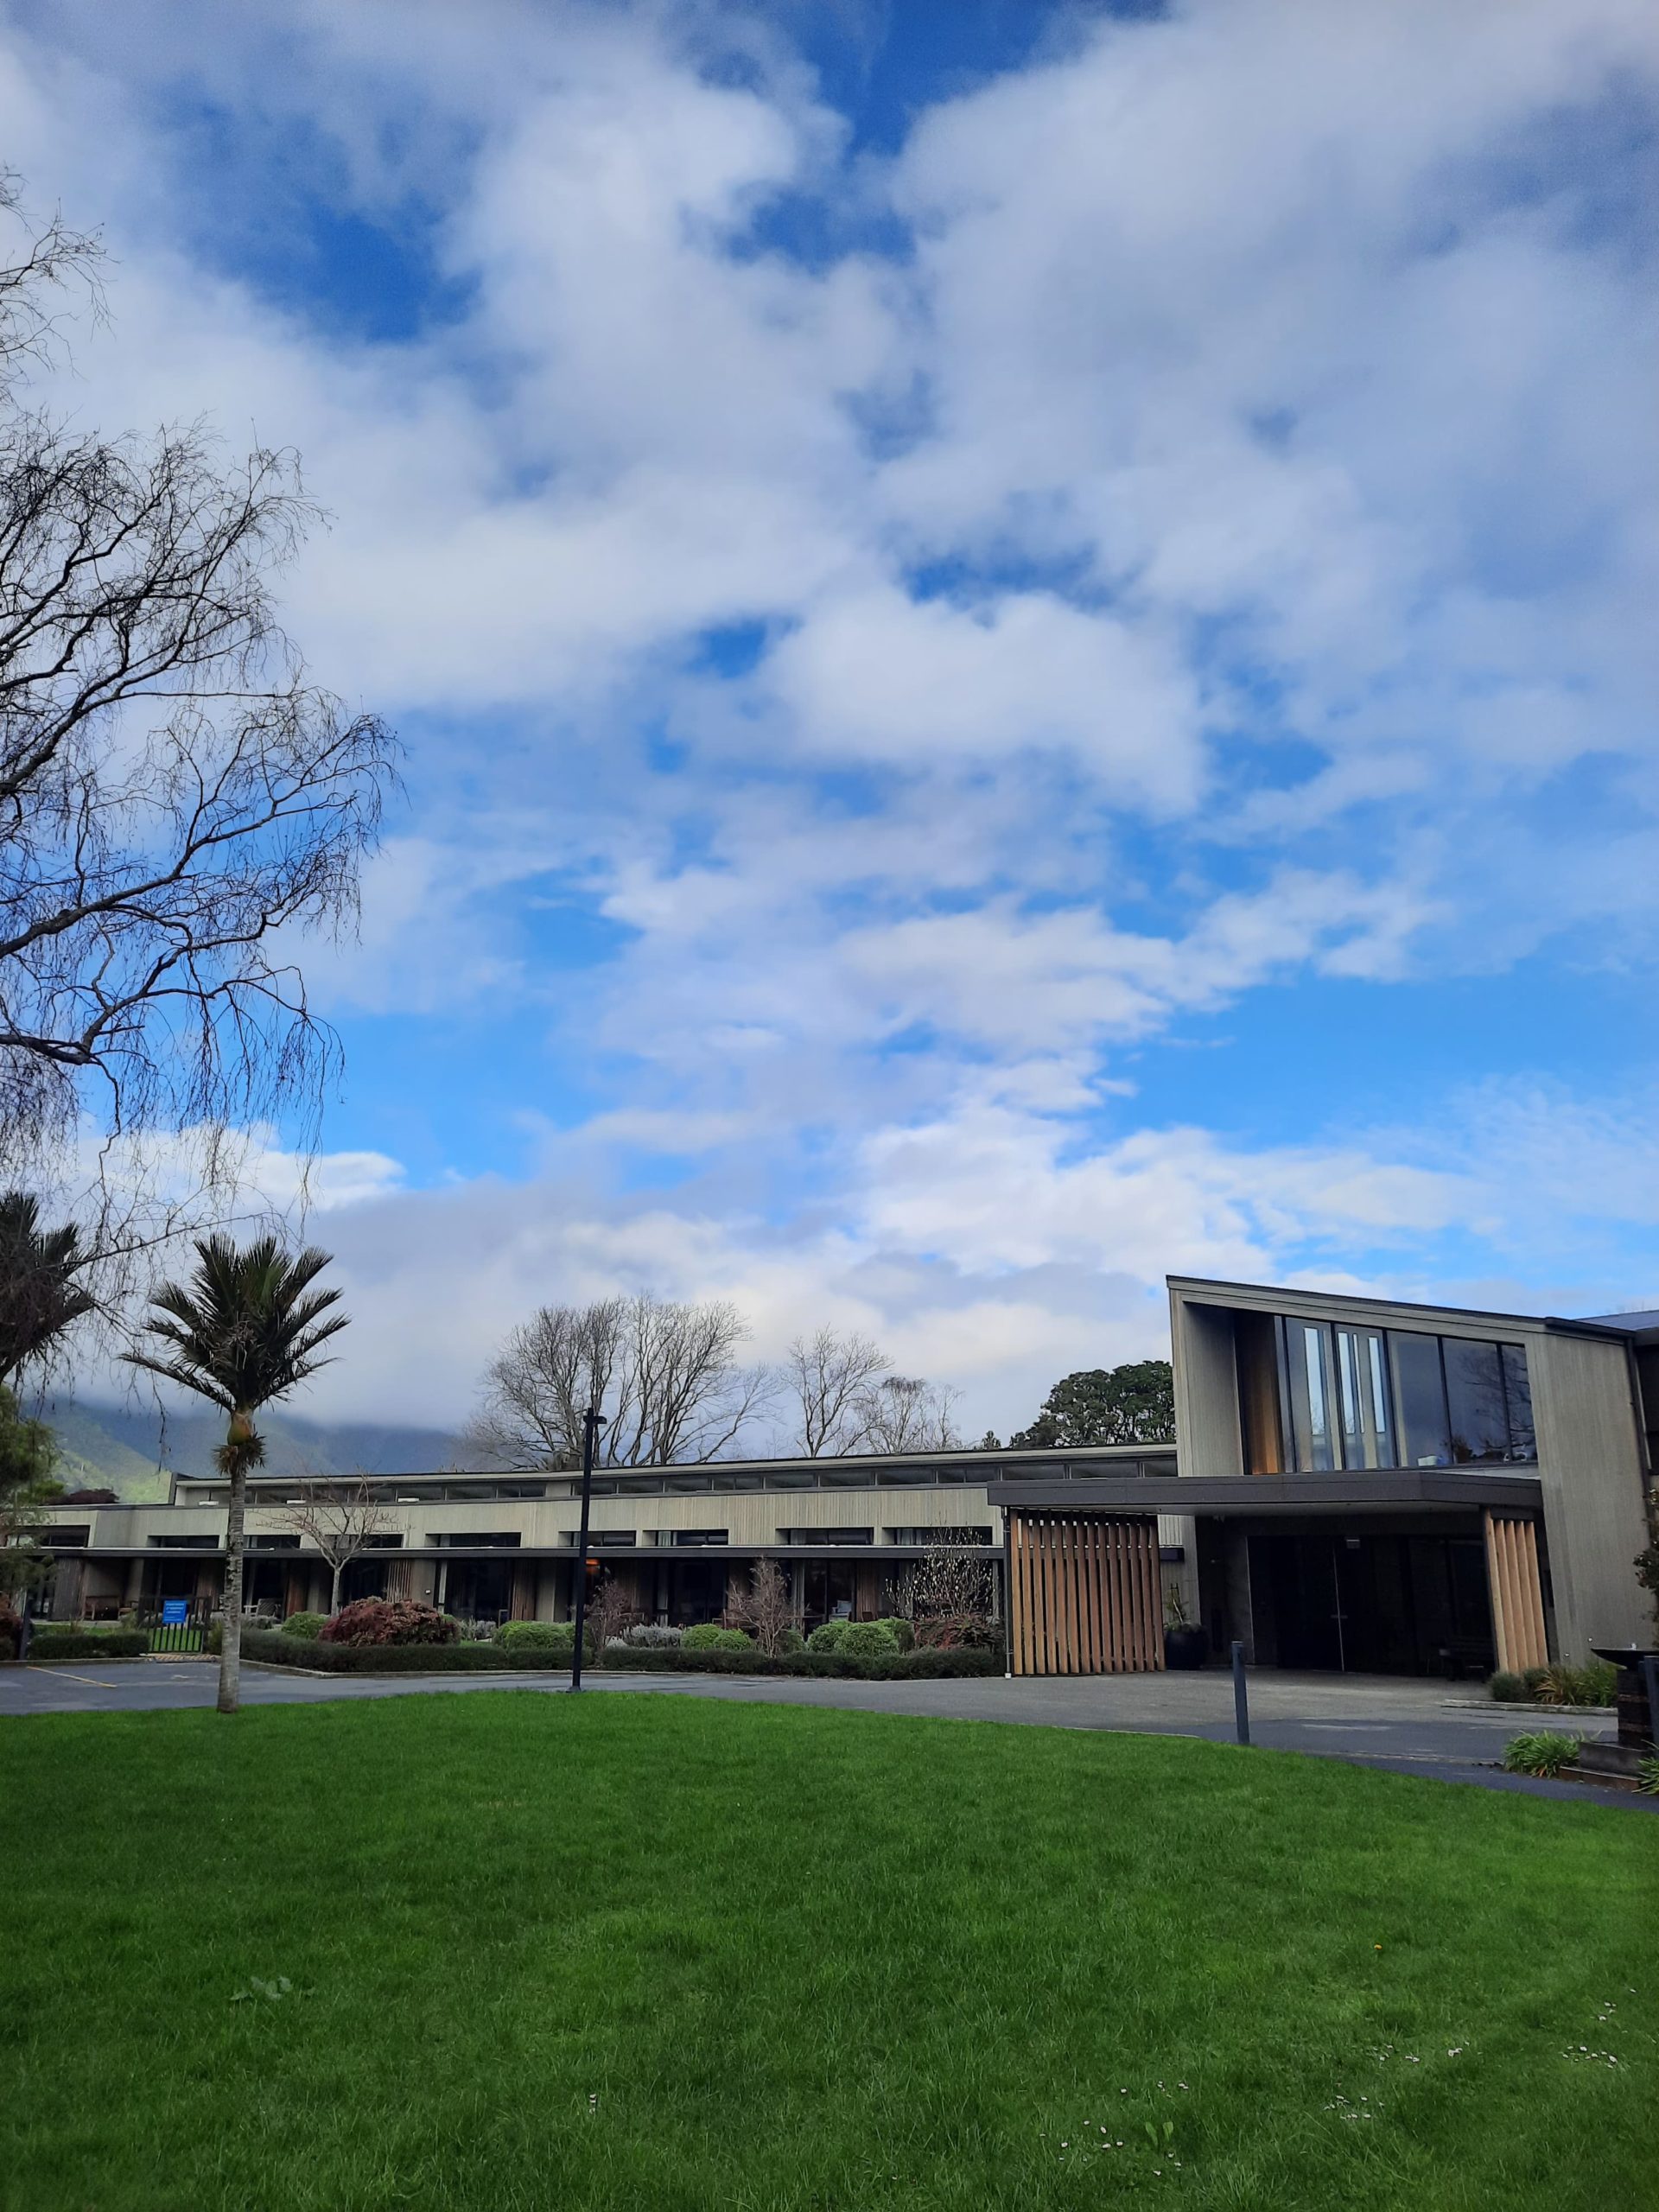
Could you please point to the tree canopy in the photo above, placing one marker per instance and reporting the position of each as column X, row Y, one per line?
column 1131, row 1404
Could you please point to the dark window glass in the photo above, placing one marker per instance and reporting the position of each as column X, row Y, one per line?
column 1474, row 1391
column 1420, row 1399
column 1517, row 1391
column 1307, row 1359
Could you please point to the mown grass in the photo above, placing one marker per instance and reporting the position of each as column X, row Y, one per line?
column 654, row 1951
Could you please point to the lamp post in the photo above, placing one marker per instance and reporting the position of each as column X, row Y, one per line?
column 592, row 1422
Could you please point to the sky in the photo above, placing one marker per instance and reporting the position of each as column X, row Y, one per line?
column 1024, row 632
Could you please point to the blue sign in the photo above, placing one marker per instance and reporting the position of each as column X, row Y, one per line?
column 176, row 1611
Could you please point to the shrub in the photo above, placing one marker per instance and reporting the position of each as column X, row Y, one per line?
column 1647, row 1774
column 792, row 1640
column 267, row 1647
column 867, row 1640
column 1507, row 1688
column 708, row 1635
column 827, row 1637
column 1532, row 1677
column 480, row 1631
column 971, row 1631
column 649, row 1636
column 12, row 1633
column 888, row 1667
column 558, row 1637
column 1544, row 1753
column 904, row 1632
column 82, row 1644
column 1595, row 1684
column 382, row 1620
column 310, row 1625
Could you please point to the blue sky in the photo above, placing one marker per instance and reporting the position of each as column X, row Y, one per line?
column 1025, row 636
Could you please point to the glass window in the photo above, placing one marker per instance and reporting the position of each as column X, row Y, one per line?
column 1517, row 1391
column 1362, row 1381
column 1307, row 1350
column 1420, row 1399
column 1474, row 1391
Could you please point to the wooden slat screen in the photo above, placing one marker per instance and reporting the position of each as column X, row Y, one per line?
column 1517, row 1591
column 1085, row 1598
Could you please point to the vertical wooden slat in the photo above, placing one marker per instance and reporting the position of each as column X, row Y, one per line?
column 1155, row 1596
column 1516, row 1588
column 1111, row 1595
column 1091, row 1546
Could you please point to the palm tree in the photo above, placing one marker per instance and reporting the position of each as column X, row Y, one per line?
column 244, row 1331
column 39, row 1296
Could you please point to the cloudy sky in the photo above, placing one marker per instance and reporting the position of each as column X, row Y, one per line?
column 1024, row 635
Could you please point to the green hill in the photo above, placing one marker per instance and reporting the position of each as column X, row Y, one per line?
column 130, row 1448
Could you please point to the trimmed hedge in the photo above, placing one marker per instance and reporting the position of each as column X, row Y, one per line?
column 269, row 1647
column 79, row 1643
column 708, row 1635
column 308, row 1625
column 867, row 1640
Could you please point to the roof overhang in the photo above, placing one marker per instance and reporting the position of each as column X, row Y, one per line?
column 1398, row 1490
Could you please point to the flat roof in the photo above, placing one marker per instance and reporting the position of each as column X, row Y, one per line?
column 1388, row 1489
column 1596, row 1325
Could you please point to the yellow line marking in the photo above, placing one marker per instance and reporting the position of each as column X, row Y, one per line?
column 63, row 1675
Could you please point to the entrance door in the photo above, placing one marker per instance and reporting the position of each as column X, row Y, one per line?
column 1379, row 1605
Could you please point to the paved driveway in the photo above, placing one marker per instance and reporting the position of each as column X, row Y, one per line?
column 1411, row 1727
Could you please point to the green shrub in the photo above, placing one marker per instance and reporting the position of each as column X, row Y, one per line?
column 708, row 1635
column 867, row 1640
column 1507, row 1688
column 1595, row 1684
column 84, row 1643
column 1534, row 1677
column 921, row 1665
column 1543, row 1753
column 904, row 1634
column 1647, row 1774
column 310, row 1625
column 792, row 1640
column 270, row 1647
column 557, row 1637
column 827, row 1637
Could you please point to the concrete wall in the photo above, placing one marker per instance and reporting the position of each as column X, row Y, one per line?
column 1590, row 1467
column 1206, row 1388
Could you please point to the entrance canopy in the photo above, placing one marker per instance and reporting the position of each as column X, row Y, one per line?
column 1396, row 1489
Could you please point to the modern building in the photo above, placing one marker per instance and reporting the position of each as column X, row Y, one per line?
column 1363, row 1484
column 1358, row 1484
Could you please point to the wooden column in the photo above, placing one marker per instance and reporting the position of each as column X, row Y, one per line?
column 1083, row 1594
column 1517, row 1592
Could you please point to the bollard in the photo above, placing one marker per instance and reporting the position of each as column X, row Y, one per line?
column 1241, row 1696
column 1650, row 1676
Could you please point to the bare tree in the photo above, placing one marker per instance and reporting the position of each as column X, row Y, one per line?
column 665, row 1373
column 830, row 1376
column 611, row 1612
column 766, row 1608
column 901, row 1412
column 951, row 1582
column 178, row 799
column 342, row 1521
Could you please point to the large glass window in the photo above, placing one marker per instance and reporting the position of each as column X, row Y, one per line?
column 1307, row 1350
column 1479, row 1428
column 1363, row 1382
column 1419, row 1392
column 1517, row 1393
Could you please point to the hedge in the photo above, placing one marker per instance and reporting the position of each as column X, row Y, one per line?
column 271, row 1649
column 78, row 1643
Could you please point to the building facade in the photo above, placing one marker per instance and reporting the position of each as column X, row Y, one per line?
column 1359, row 1484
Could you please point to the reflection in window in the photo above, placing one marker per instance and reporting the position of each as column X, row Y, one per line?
column 1420, row 1390
column 1367, row 1429
column 1517, row 1393
column 1307, row 1346
column 1479, row 1429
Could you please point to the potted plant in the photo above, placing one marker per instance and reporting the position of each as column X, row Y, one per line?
column 1185, row 1644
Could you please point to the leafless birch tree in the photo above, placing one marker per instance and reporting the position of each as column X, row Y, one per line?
column 341, row 1520
column 765, row 1608
column 831, row 1376
column 179, row 800
column 665, row 1375
column 904, row 1413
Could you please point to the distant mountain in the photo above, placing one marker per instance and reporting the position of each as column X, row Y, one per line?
column 130, row 1448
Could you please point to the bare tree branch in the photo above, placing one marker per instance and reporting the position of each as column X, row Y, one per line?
column 830, row 1376
column 340, row 1522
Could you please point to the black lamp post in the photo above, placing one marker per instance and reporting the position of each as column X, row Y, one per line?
column 592, row 1422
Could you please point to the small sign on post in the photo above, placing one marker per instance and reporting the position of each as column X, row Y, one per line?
column 176, row 1611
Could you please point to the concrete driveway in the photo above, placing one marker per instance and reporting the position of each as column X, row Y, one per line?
column 1411, row 1727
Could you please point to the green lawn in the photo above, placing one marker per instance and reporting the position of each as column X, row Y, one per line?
column 632, row 1952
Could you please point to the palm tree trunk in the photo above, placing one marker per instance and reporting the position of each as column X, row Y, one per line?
column 229, row 1649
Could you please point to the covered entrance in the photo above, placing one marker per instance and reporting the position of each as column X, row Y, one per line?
column 1372, row 1603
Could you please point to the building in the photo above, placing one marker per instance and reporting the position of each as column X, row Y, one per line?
column 1363, row 1485
column 1358, row 1484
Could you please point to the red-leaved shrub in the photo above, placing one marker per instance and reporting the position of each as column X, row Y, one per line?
column 957, row 1632
column 389, row 1620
